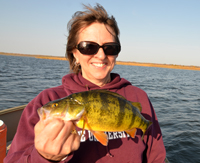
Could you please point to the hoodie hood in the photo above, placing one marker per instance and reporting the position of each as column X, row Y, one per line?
column 76, row 83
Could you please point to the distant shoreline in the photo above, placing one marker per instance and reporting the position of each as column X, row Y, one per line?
column 171, row 66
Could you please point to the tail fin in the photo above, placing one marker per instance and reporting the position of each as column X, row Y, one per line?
column 144, row 131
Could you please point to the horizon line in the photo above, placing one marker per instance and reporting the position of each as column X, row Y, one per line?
column 129, row 63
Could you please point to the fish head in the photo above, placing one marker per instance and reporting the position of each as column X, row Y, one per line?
column 66, row 109
column 75, row 110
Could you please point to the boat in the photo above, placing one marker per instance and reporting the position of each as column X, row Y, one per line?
column 11, row 118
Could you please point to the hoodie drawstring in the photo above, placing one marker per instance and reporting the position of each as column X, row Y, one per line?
column 108, row 151
column 87, row 88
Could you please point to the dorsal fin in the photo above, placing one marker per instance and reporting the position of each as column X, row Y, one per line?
column 137, row 105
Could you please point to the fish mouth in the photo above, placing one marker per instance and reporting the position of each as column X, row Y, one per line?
column 40, row 111
column 43, row 113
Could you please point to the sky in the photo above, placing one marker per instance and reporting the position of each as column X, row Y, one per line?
column 151, row 31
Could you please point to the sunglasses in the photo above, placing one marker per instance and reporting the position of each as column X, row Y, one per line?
column 91, row 48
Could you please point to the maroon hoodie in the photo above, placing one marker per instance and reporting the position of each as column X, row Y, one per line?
column 121, row 147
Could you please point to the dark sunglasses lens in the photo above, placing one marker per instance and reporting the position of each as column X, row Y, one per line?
column 91, row 48
column 111, row 49
column 88, row 48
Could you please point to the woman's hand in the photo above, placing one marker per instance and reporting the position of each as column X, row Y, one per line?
column 54, row 138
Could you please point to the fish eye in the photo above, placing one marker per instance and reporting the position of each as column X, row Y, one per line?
column 54, row 105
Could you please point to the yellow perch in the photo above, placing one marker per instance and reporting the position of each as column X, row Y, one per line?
column 98, row 111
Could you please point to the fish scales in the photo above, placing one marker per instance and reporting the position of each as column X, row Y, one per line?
column 109, row 110
column 99, row 106
column 98, row 110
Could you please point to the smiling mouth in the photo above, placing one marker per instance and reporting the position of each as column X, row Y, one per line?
column 99, row 64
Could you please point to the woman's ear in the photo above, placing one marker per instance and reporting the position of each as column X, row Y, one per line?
column 76, row 56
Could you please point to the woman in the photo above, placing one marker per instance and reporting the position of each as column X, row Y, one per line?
column 92, row 48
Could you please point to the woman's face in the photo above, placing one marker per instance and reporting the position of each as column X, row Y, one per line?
column 96, row 68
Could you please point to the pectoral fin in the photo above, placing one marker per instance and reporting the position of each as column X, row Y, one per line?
column 132, row 132
column 101, row 137
column 83, row 128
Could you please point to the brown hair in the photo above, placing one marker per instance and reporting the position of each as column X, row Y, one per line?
column 83, row 19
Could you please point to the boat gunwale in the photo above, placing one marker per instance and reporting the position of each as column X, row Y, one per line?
column 10, row 110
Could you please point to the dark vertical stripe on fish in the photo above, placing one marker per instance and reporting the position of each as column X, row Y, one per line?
column 142, row 122
column 134, row 115
column 104, row 100
column 122, row 105
column 85, row 96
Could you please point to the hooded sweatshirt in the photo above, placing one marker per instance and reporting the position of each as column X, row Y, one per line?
column 121, row 147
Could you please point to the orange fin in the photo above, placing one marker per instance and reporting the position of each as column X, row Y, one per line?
column 83, row 129
column 101, row 137
column 132, row 132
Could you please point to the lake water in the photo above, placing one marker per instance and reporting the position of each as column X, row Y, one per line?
column 175, row 95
